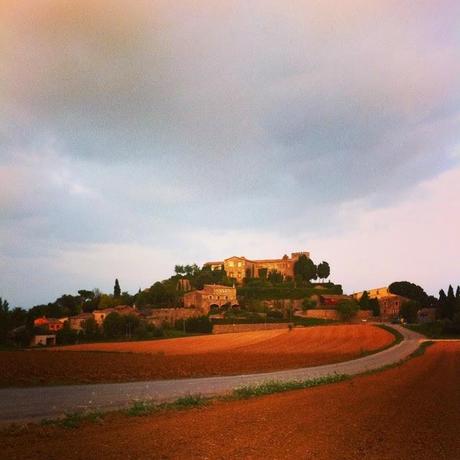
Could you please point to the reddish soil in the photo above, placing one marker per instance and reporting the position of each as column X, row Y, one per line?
column 408, row 412
column 225, row 354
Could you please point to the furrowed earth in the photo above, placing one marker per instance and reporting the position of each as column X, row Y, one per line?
column 198, row 356
column 407, row 412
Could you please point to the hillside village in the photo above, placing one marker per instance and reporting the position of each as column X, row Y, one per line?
column 223, row 296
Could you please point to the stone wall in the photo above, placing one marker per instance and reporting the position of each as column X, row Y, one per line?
column 168, row 316
column 227, row 328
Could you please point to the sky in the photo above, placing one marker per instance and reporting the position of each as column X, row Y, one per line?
column 139, row 135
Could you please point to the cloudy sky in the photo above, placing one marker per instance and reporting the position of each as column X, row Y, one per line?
column 138, row 135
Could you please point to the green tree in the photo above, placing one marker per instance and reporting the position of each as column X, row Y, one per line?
column 66, row 335
column 179, row 269
column 116, row 289
column 410, row 291
column 451, row 303
column 305, row 268
column 365, row 302
column 263, row 272
column 275, row 277
column 131, row 325
column 442, row 305
column 114, row 326
column 106, row 301
column 4, row 319
column 347, row 309
column 324, row 270
column 90, row 328
column 199, row 324
column 409, row 311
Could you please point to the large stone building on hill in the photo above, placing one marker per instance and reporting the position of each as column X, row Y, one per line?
column 240, row 267
column 211, row 295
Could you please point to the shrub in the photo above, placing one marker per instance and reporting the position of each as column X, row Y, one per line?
column 409, row 311
column 199, row 324
column 66, row 336
column 347, row 309
column 113, row 326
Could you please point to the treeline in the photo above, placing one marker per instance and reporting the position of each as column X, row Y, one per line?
column 265, row 290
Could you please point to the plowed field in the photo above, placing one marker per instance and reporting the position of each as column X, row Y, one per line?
column 200, row 356
column 408, row 412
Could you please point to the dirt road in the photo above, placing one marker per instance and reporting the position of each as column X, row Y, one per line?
column 408, row 412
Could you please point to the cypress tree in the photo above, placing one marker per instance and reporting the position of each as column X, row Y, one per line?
column 450, row 303
column 442, row 305
column 116, row 289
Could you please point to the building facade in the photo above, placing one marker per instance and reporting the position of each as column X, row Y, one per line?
column 390, row 304
column 376, row 293
column 210, row 295
column 239, row 268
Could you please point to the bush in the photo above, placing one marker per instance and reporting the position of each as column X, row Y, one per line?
column 66, row 336
column 199, row 324
column 347, row 309
column 113, row 326
column 90, row 329
column 409, row 311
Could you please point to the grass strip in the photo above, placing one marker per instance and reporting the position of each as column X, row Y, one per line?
column 273, row 386
column 141, row 408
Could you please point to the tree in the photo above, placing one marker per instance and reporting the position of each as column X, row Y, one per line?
column 347, row 309
column 131, row 325
column 4, row 319
column 106, row 301
column 114, row 326
column 410, row 291
column 199, row 324
column 305, row 268
column 179, row 269
column 324, row 270
column 450, row 303
column 116, row 289
column 66, row 335
column 263, row 273
column 365, row 302
column 442, row 304
column 275, row 277
column 90, row 328
column 409, row 311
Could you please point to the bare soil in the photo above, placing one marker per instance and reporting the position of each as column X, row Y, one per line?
column 225, row 354
column 408, row 412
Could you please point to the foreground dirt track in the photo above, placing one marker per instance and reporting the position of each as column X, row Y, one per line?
column 193, row 356
column 409, row 412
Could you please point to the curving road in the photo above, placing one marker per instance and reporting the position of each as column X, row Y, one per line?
column 33, row 404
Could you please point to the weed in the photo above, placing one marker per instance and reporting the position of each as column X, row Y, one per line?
column 75, row 419
column 271, row 387
column 141, row 408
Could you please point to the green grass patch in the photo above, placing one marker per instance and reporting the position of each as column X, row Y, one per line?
column 75, row 419
column 421, row 349
column 142, row 408
column 267, row 388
